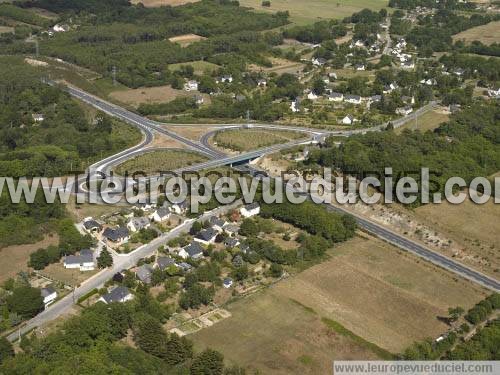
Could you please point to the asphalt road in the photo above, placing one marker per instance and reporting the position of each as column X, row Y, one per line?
column 148, row 128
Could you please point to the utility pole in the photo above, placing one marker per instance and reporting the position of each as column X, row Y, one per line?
column 113, row 73
column 37, row 48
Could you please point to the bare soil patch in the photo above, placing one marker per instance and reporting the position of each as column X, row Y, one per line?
column 159, row 94
column 186, row 39
column 15, row 258
column 159, row 3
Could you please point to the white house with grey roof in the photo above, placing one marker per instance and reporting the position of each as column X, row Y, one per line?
column 206, row 236
column 353, row 99
column 119, row 294
column 217, row 223
column 137, row 223
column 49, row 295
column 117, row 235
column 144, row 273
column 161, row 214
column 164, row 262
column 193, row 250
column 250, row 210
column 84, row 261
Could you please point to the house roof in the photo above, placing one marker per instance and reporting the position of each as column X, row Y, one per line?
column 214, row 220
column 164, row 262
column 115, row 234
column 252, row 206
column 139, row 222
column 85, row 256
column 352, row 97
column 47, row 291
column 207, row 234
column 116, row 295
column 231, row 242
column 193, row 249
column 228, row 281
column 336, row 95
column 144, row 273
column 163, row 212
column 91, row 224
column 231, row 228
column 185, row 266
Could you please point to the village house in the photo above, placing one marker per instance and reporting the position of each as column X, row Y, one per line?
column 117, row 235
column 38, row 117
column 360, row 67
column 119, row 294
column 164, row 262
column 408, row 65
column 137, row 223
column 318, row 61
column 353, row 99
column 312, row 96
column 227, row 78
column 250, row 210
column 161, row 214
column 227, row 283
column 191, row 85
column 295, row 106
column 144, row 273
column 348, row 120
column 84, row 261
column 217, row 223
column 231, row 229
column 231, row 242
column 92, row 226
column 198, row 99
column 336, row 97
column 193, row 250
column 261, row 82
column 49, row 295
column 404, row 111
column 206, row 236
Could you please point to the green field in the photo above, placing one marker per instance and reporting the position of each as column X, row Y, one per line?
column 246, row 140
column 163, row 160
column 305, row 12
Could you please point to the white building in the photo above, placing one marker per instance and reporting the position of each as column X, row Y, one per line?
column 120, row 294
column 312, row 96
column 250, row 210
column 348, row 120
column 353, row 99
column 161, row 214
column 191, row 86
column 38, row 117
column 84, row 261
column 137, row 223
column 404, row 111
column 49, row 295
column 336, row 97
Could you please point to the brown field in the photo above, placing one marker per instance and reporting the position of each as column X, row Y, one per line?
column 160, row 94
column 186, row 39
column 192, row 131
column 6, row 29
column 71, row 277
column 163, row 160
column 163, row 141
column 15, row 258
column 382, row 295
column 487, row 34
column 387, row 297
column 429, row 121
column 246, row 140
column 472, row 227
column 199, row 66
column 306, row 12
column 280, row 66
column 159, row 3
column 81, row 211
column 269, row 333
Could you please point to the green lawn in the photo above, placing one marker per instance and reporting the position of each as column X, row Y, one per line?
column 198, row 66
column 304, row 12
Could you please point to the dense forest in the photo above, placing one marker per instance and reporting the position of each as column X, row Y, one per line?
column 66, row 139
column 135, row 38
column 466, row 146
column 90, row 343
